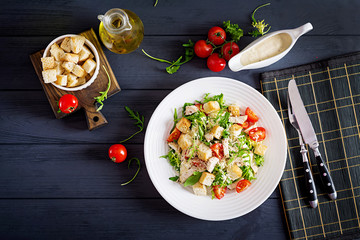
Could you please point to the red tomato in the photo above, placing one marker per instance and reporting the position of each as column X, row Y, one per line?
column 242, row 185
column 257, row 134
column 215, row 63
column 175, row 134
column 202, row 49
column 218, row 150
column 251, row 115
column 117, row 153
column 68, row 103
column 229, row 50
column 200, row 107
column 246, row 124
column 216, row 35
column 219, row 191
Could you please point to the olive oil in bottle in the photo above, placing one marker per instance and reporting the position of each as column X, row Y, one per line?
column 121, row 31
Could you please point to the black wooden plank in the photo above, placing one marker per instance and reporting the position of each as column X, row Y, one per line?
column 185, row 17
column 136, row 71
column 72, row 171
column 129, row 219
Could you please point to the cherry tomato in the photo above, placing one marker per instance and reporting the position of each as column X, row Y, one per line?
column 229, row 50
column 215, row 63
column 218, row 150
column 242, row 185
column 251, row 115
column 246, row 124
column 117, row 153
column 202, row 49
column 175, row 134
column 216, row 35
column 257, row 134
column 219, row 191
column 68, row 103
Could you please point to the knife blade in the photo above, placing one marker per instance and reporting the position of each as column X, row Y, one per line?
column 309, row 136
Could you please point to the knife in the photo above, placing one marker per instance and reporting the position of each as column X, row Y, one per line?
column 309, row 136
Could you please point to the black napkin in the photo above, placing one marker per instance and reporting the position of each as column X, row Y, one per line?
column 330, row 91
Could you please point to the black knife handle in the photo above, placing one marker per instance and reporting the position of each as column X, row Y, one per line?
column 310, row 185
column 325, row 177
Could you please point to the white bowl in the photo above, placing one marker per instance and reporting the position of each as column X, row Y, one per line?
column 233, row 204
column 93, row 50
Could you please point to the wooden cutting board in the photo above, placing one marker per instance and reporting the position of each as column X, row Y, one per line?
column 86, row 96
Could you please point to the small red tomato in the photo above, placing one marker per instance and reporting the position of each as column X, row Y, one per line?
column 202, row 49
column 217, row 150
column 257, row 134
column 215, row 63
column 229, row 50
column 242, row 185
column 219, row 191
column 246, row 124
column 216, row 35
column 251, row 115
column 174, row 135
column 117, row 153
column 68, row 103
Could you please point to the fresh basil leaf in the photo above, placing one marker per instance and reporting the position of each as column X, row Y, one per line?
column 174, row 179
column 193, row 179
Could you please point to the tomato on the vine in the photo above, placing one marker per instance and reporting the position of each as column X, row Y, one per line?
column 68, row 103
column 217, row 35
column 242, row 185
column 229, row 50
column 257, row 134
column 202, row 49
column 117, row 153
column 215, row 63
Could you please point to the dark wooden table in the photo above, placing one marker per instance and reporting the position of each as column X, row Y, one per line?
column 56, row 181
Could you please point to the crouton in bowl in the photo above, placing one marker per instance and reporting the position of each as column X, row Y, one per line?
column 70, row 62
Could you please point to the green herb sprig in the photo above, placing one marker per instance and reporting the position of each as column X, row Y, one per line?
column 259, row 25
column 103, row 95
column 138, row 163
column 175, row 65
column 234, row 30
column 156, row 2
column 139, row 122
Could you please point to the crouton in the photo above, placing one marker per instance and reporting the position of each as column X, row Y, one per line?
column 211, row 106
column 217, row 131
column 260, row 149
column 199, row 189
column 235, row 130
column 49, row 75
column 234, row 110
column 84, row 54
column 59, row 68
column 76, row 43
column 65, row 45
column 185, row 141
column 56, row 52
column 61, row 80
column 206, row 178
column 48, row 63
column 81, row 81
column 183, row 125
column 89, row 65
column 70, row 57
column 204, row 152
column 78, row 71
column 68, row 66
column 234, row 172
column 72, row 80
column 211, row 163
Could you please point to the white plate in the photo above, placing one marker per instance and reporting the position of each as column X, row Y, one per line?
column 233, row 204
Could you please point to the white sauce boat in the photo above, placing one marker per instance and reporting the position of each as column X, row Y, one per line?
column 268, row 49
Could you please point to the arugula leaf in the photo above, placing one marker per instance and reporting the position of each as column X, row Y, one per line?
column 103, row 95
column 156, row 2
column 193, row 179
column 259, row 160
column 138, row 163
column 247, row 173
column 219, row 98
column 233, row 29
column 174, row 159
column 174, row 179
column 139, row 122
column 220, row 177
column 259, row 25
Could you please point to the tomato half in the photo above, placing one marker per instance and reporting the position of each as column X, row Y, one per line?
column 219, row 191
column 257, row 134
column 251, row 115
column 218, row 150
column 242, row 185
column 202, row 49
column 246, row 124
column 229, row 50
column 68, row 103
column 174, row 135
column 215, row 63
column 216, row 35
column 117, row 153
